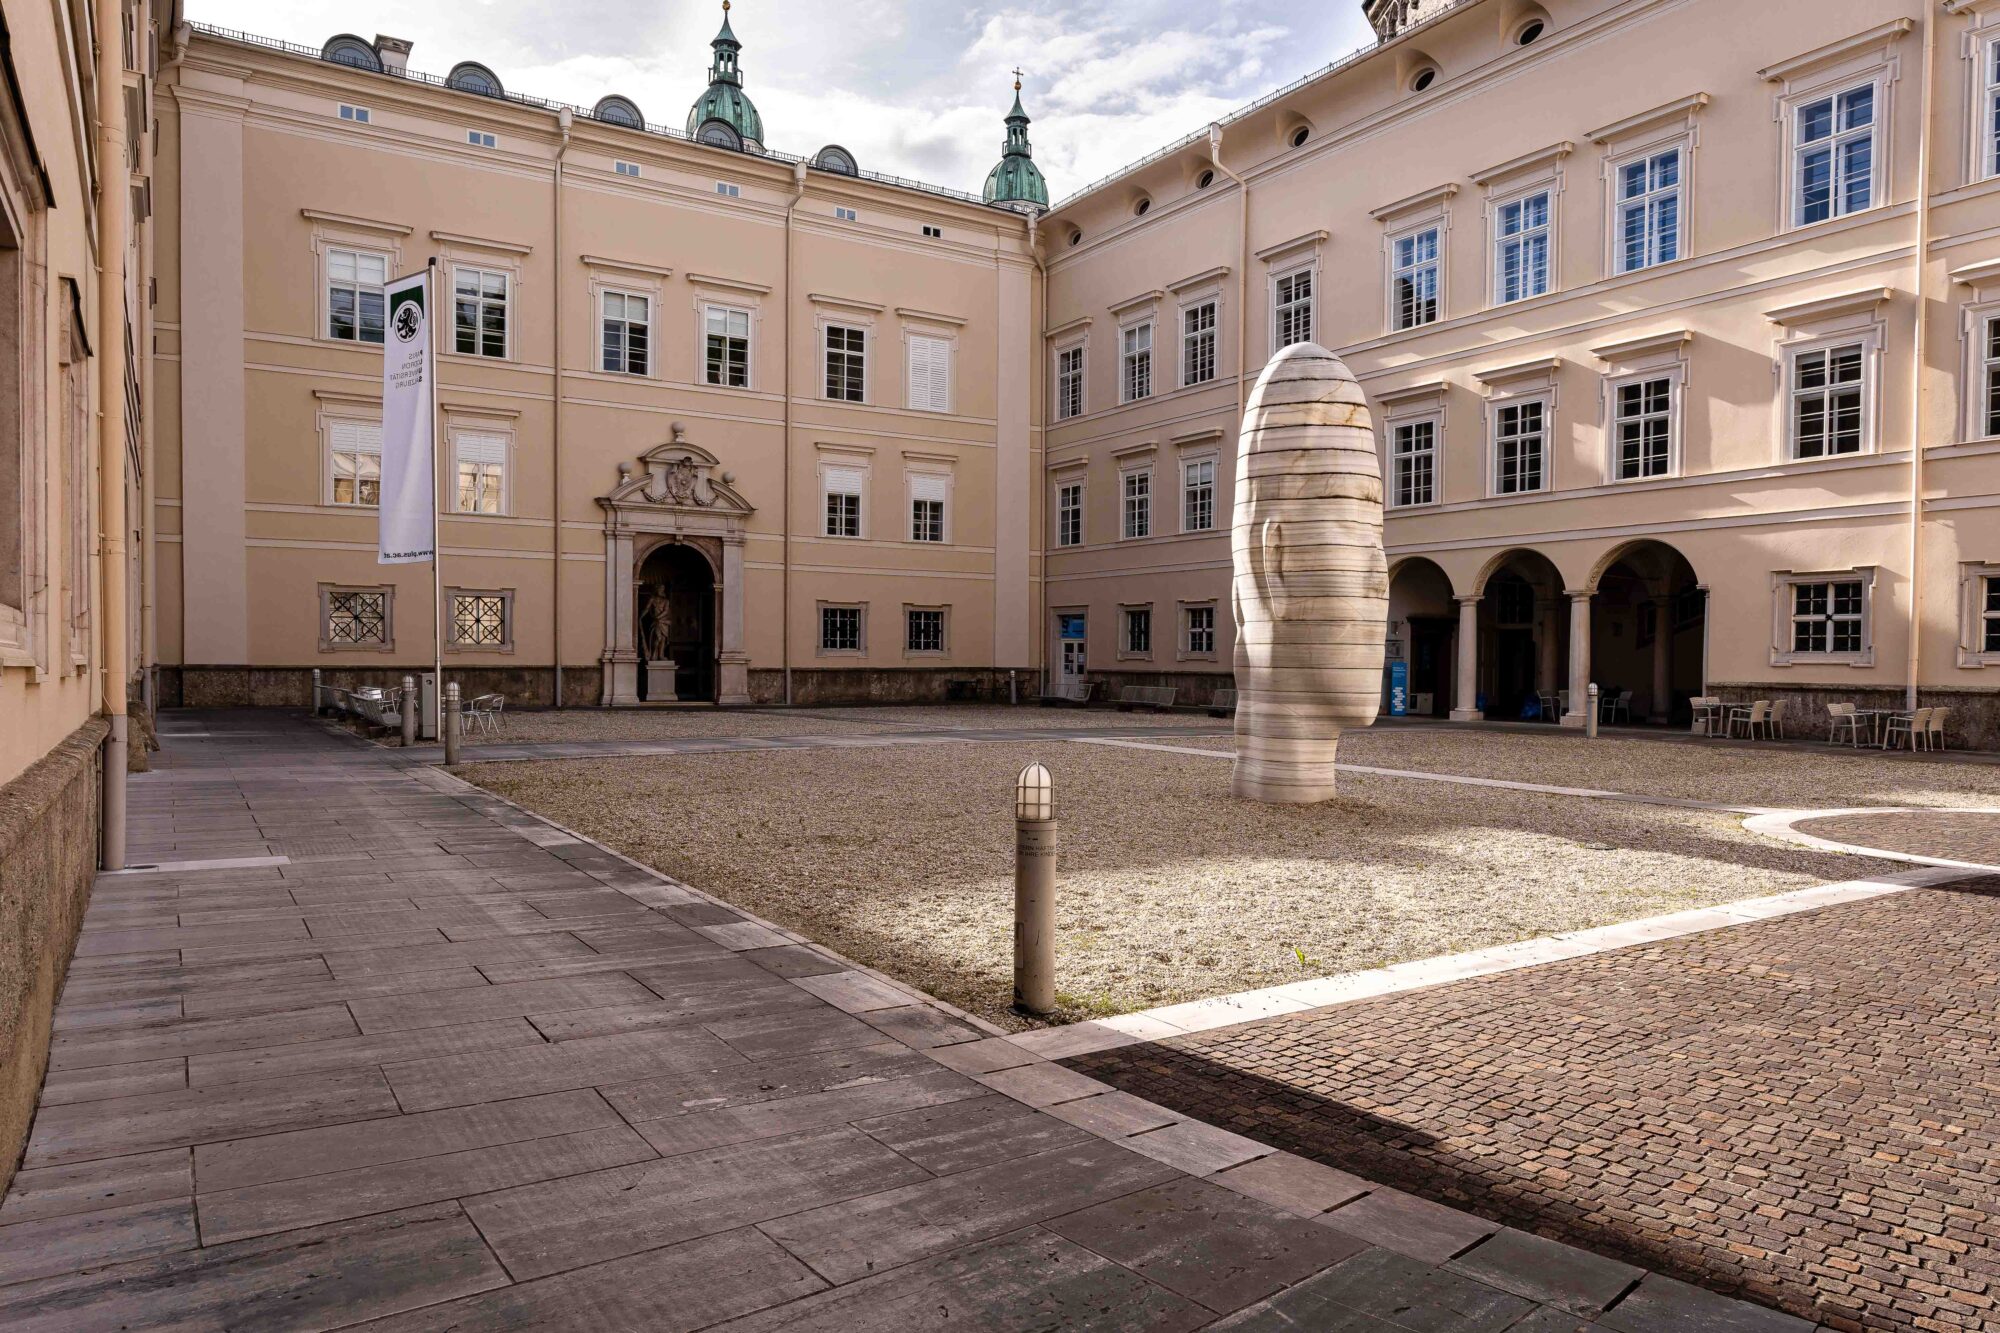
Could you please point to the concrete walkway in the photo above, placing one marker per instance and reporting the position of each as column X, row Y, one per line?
column 370, row 1045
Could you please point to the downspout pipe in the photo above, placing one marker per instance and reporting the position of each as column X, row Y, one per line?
column 1242, row 265
column 564, row 121
column 114, row 206
column 1921, row 350
column 785, row 383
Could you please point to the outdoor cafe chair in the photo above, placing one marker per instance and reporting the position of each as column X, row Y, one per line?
column 1936, row 740
column 1611, row 707
column 1775, row 723
column 1909, row 726
column 1843, row 715
column 1752, row 719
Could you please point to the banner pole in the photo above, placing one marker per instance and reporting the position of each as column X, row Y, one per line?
column 438, row 481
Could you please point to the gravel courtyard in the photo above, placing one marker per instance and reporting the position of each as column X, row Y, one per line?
column 1170, row 890
column 639, row 724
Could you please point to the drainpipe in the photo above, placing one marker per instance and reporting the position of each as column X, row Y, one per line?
column 1917, row 369
column 564, row 119
column 1041, row 636
column 1243, row 262
column 791, row 208
column 114, row 203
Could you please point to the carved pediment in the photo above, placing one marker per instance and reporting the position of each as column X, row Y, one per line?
column 676, row 476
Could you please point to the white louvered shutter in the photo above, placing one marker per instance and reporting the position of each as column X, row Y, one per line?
column 930, row 374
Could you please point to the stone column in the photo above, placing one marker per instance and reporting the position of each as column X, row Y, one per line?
column 1548, row 632
column 732, row 662
column 1579, row 660
column 1661, row 708
column 1465, row 702
column 621, row 649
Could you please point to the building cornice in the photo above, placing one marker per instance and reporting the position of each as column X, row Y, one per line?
column 358, row 223
column 481, row 243
column 1436, row 196
column 1680, row 109
column 1311, row 240
column 1153, row 297
column 1541, row 157
column 929, row 316
column 1880, row 35
column 728, row 284
column 627, row 265
column 1206, row 276
column 1649, row 344
column 1831, row 307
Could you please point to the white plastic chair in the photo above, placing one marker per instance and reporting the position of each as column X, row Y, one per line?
column 1752, row 719
column 1843, row 715
column 1909, row 726
column 1775, row 723
column 1936, row 738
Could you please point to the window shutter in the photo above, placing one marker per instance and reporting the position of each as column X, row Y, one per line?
column 356, row 437
column 930, row 374
column 929, row 486
column 844, row 480
column 473, row 446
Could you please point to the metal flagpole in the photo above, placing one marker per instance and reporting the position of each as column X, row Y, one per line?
column 431, row 300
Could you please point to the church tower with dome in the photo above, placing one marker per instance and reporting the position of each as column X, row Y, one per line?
column 724, row 115
column 1015, row 181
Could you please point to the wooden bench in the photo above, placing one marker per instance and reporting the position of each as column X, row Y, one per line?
column 1076, row 694
column 1158, row 698
column 1222, row 703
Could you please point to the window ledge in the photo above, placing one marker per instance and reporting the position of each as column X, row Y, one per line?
column 1864, row 658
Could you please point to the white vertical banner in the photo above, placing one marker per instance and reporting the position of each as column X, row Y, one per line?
column 407, row 532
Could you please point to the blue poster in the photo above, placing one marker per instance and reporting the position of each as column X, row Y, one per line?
column 1399, row 689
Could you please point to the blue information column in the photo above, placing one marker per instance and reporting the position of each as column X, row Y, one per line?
column 1399, row 689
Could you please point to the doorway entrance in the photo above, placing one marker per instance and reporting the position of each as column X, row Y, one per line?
column 675, row 603
column 1072, row 642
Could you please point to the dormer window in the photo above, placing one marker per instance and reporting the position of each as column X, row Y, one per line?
column 1141, row 208
column 1424, row 79
column 469, row 76
column 349, row 50
column 1203, row 181
column 1299, row 136
column 615, row 110
column 1529, row 33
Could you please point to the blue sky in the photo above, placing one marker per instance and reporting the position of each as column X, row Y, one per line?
column 914, row 87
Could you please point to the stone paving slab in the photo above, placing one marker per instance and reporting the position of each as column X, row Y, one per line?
column 453, row 1068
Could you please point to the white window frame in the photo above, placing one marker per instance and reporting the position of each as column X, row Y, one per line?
column 928, row 479
column 843, row 213
column 943, row 614
column 1869, row 340
column 1394, row 428
column 1309, row 270
column 1783, row 601
column 860, row 647
column 1189, row 466
column 327, row 593
column 511, row 279
column 330, row 423
column 1982, row 371
column 1974, row 581
column 1986, row 109
column 356, row 114
column 1063, row 379
column 1195, row 342
column 949, row 345
column 1545, row 230
column 1135, row 499
column 705, row 310
column 1135, row 361
column 1496, row 411
column 330, row 250
column 1188, row 650
column 728, row 190
column 1129, row 616
column 481, row 139
column 1675, row 377
column 831, row 471
column 827, row 354
column 1063, row 509
column 452, row 642
column 1681, row 146
column 1434, row 227
column 623, row 168
column 1878, row 135
column 650, row 324
column 488, row 438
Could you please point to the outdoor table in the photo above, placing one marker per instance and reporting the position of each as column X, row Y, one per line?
column 1713, row 714
column 1876, row 718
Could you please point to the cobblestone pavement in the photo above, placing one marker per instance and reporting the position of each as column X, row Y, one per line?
column 1959, row 835
column 365, row 1044
column 1804, row 1110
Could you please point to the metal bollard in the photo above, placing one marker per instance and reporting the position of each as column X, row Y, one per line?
column 319, row 698
column 1590, row 718
column 409, row 710
column 1034, row 892
column 1013, row 688
column 448, row 724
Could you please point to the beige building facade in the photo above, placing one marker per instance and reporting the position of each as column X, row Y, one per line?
column 1668, row 311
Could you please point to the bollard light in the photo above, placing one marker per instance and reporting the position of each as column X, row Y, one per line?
column 1034, row 891
column 1034, row 794
column 1590, row 715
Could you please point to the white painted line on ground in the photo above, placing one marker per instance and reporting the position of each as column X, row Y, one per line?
column 1782, row 824
column 178, row 867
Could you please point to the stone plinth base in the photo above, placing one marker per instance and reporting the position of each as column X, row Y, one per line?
column 660, row 683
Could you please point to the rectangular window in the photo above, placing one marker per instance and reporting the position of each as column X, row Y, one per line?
column 1989, row 110
column 843, row 500
column 1069, row 514
column 1827, row 401
column 846, row 352
column 1642, row 425
column 1139, row 629
column 728, row 353
column 935, row 233
column 930, row 373
column 840, row 629
column 356, row 618
column 1069, row 383
column 1521, row 259
column 1649, row 211
column 482, row 471
column 354, row 281
column 1198, row 495
column 1833, row 153
column 1989, row 374
column 627, row 332
column 728, row 191
column 1136, row 381
column 480, row 311
column 1138, row 489
column 360, row 115
column 929, row 492
column 1199, row 631
column 1413, row 283
column 1520, row 447
column 1292, row 300
column 845, row 214
column 479, row 138
column 356, row 449
column 1826, row 617
column 923, row 631
column 479, row 620
column 1198, row 344
column 1989, row 614
column 626, row 168
column 1413, row 462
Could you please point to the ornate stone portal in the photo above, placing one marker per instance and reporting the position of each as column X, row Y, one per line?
column 1311, row 586
column 676, row 494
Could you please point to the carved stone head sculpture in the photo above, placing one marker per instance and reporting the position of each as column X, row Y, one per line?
column 1311, row 586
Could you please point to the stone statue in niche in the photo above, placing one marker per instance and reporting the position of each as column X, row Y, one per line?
column 656, row 624
column 1311, row 582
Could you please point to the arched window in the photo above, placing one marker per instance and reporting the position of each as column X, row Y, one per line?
column 615, row 110
column 347, row 49
column 469, row 76
column 719, row 134
column 836, row 159
column 1299, row 136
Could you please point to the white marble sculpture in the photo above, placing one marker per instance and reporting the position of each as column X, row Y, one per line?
column 1311, row 588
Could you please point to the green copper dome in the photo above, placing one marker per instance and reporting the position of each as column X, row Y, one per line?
column 1017, row 181
column 725, row 103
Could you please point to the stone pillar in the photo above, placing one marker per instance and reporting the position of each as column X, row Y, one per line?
column 1579, row 660
column 621, row 649
column 1548, row 634
column 1465, row 701
column 732, row 662
column 1661, row 706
